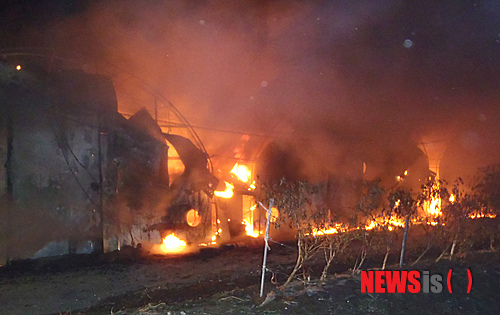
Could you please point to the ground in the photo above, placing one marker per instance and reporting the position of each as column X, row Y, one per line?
column 226, row 281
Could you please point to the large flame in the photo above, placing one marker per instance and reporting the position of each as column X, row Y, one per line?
column 249, row 229
column 173, row 245
column 433, row 207
column 242, row 172
column 227, row 193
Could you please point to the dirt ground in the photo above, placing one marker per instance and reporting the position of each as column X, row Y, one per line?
column 226, row 281
column 51, row 286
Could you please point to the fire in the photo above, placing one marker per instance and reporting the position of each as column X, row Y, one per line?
column 434, row 207
column 193, row 218
column 396, row 222
column 391, row 223
column 477, row 215
column 274, row 214
column 371, row 225
column 338, row 227
column 252, row 186
column 249, row 229
column 242, row 172
column 175, row 165
column 396, row 204
column 173, row 245
column 18, row 67
column 452, row 198
column 326, row 231
column 213, row 240
column 228, row 193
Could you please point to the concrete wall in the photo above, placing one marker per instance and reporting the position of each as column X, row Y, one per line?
column 54, row 166
column 3, row 189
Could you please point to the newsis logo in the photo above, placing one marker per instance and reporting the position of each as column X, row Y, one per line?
column 413, row 281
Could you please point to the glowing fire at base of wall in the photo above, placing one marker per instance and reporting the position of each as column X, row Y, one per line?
column 249, row 230
column 173, row 245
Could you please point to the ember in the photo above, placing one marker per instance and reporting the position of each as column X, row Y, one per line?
column 452, row 198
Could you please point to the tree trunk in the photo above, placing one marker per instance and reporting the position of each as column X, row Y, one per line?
column 298, row 264
column 443, row 253
column 452, row 250
column 429, row 245
column 361, row 260
column 403, row 245
column 329, row 258
column 386, row 256
column 454, row 243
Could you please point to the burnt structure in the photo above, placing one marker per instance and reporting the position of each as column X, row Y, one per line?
column 400, row 164
column 78, row 177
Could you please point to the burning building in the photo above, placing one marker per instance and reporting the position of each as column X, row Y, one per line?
column 100, row 178
column 81, row 178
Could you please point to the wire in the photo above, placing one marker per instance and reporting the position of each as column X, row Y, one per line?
column 284, row 245
column 230, row 131
column 70, row 150
column 60, row 147
column 74, row 172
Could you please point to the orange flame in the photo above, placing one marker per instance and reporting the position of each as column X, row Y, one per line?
column 325, row 231
column 391, row 223
column 274, row 214
column 193, row 218
column 228, row 193
column 477, row 215
column 173, row 245
column 213, row 240
column 249, row 229
column 452, row 198
column 252, row 186
column 338, row 227
column 434, row 207
column 242, row 172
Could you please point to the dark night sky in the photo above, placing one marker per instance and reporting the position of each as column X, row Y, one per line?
column 338, row 71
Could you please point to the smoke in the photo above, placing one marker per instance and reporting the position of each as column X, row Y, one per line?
column 324, row 77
